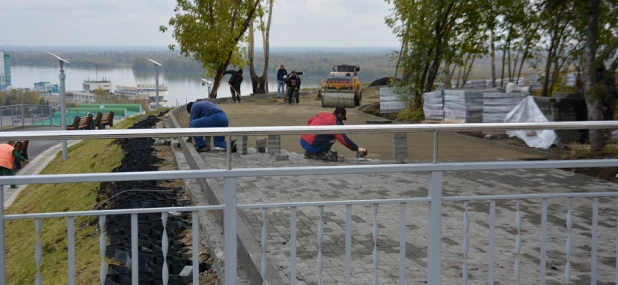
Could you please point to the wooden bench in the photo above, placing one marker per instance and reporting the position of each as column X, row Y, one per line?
column 84, row 123
column 103, row 120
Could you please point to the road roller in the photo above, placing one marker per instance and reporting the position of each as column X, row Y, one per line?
column 342, row 88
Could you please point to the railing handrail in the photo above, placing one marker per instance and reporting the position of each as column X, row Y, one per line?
column 310, row 170
column 298, row 130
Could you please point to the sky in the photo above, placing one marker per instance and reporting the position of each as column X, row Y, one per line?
column 295, row 23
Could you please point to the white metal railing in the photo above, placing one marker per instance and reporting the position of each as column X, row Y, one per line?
column 434, row 199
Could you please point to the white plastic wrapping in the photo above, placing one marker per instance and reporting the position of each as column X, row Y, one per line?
column 528, row 111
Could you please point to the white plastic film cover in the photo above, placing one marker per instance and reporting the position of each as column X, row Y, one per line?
column 528, row 111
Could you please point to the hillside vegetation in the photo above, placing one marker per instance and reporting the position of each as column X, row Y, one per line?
column 91, row 156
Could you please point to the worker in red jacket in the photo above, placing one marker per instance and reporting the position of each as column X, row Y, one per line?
column 318, row 146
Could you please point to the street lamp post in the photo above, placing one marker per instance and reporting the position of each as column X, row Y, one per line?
column 157, row 65
column 63, row 119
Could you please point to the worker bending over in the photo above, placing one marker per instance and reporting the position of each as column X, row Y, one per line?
column 205, row 114
column 8, row 154
column 318, row 146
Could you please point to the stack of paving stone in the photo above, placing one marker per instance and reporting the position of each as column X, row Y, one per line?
column 260, row 145
column 241, row 144
column 400, row 146
column 475, row 84
column 274, row 144
column 433, row 105
column 463, row 106
column 497, row 105
column 390, row 102
column 535, row 83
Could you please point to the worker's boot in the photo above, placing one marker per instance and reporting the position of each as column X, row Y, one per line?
column 328, row 156
column 308, row 155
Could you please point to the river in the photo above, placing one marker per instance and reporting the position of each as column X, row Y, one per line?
column 182, row 87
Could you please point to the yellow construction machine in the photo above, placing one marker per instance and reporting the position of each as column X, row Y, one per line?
column 342, row 88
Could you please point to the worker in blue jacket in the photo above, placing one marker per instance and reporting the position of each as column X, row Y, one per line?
column 204, row 114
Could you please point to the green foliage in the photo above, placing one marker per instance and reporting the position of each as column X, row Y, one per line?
column 210, row 31
column 14, row 97
column 411, row 114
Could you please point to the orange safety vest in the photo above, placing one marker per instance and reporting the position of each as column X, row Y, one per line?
column 6, row 156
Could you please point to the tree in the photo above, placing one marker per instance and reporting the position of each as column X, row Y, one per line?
column 210, row 31
column 260, row 83
column 601, row 44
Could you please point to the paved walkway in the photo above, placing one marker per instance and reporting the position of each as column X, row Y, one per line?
column 397, row 185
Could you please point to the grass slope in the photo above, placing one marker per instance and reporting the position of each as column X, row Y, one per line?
column 91, row 156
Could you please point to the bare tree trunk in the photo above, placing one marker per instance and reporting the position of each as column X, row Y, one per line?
column 221, row 69
column 404, row 44
column 468, row 70
column 260, row 83
column 593, row 101
column 266, row 44
column 447, row 75
column 503, row 63
column 493, row 59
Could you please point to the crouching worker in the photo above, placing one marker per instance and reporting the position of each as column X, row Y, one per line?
column 205, row 114
column 8, row 154
column 318, row 146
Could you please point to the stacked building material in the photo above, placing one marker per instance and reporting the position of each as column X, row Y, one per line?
column 390, row 102
column 463, row 106
column 497, row 105
column 433, row 105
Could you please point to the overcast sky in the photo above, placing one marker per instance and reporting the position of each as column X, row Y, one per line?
column 296, row 23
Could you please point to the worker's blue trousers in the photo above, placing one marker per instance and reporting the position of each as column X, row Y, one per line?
column 218, row 120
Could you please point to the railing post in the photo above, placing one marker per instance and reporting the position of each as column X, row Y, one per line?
column 2, row 255
column 434, row 235
column 228, row 152
column 435, row 147
column 229, row 229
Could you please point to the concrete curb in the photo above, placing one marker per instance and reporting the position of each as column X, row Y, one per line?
column 249, row 251
column 257, row 97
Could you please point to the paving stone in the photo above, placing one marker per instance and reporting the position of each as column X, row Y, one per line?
column 397, row 185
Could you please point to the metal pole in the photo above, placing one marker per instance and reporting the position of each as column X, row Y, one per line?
column 435, row 147
column 63, row 119
column 434, row 246
column 157, row 82
column 229, row 229
column 23, row 115
column 2, row 255
column 228, row 152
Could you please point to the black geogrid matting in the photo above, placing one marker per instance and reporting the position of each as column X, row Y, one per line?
column 131, row 194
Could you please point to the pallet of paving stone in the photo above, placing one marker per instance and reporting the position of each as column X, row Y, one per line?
column 463, row 106
column 497, row 105
column 433, row 105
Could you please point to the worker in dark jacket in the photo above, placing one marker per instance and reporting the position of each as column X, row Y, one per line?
column 293, row 86
column 318, row 146
column 281, row 76
column 234, row 83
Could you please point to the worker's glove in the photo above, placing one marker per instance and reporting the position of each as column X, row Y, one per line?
column 26, row 161
column 362, row 152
